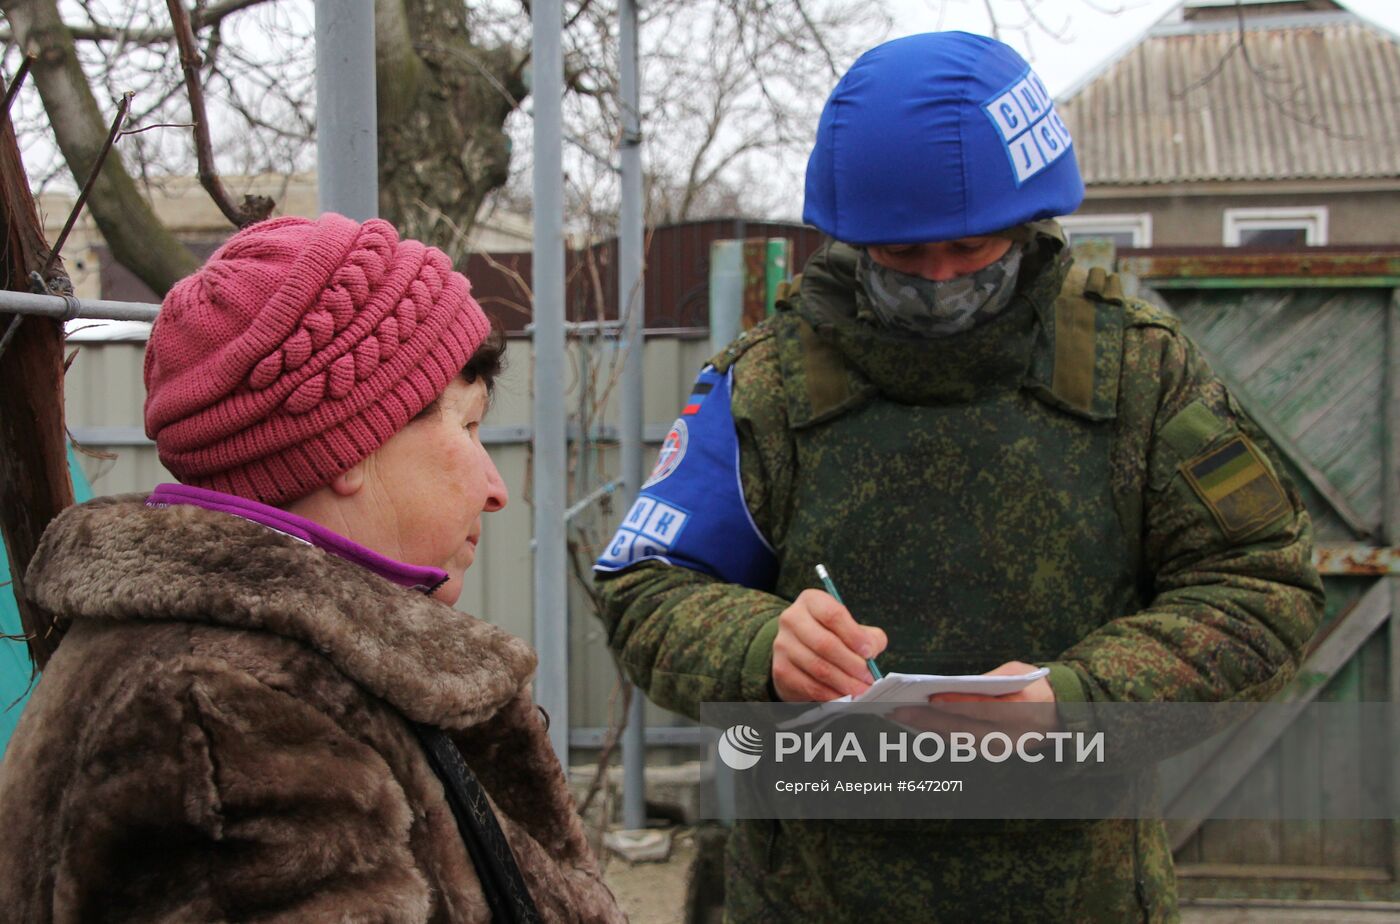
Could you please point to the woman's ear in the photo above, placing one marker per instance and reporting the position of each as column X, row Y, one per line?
column 349, row 482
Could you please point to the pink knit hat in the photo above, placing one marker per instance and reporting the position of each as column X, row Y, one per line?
column 298, row 349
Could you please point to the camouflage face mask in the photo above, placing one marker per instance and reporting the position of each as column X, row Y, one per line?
column 924, row 308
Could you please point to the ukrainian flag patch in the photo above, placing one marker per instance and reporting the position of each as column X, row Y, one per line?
column 1237, row 486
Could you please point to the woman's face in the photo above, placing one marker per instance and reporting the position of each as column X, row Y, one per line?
column 941, row 260
column 427, row 487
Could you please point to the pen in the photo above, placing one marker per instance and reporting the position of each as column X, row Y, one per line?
column 831, row 589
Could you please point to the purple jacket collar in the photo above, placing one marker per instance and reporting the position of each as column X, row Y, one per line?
column 419, row 578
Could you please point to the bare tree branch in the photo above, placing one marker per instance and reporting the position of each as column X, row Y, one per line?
column 818, row 38
column 86, row 191
column 136, row 236
column 203, row 17
column 578, row 13
column 13, row 90
column 450, row 79
column 1286, row 107
column 254, row 208
column 1060, row 35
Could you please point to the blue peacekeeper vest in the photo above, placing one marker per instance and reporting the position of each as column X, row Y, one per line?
column 691, row 511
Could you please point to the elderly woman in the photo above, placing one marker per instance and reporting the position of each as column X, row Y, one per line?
column 265, row 706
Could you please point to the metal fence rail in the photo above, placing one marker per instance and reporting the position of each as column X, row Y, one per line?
column 68, row 307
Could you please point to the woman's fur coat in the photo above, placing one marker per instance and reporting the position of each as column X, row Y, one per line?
column 221, row 737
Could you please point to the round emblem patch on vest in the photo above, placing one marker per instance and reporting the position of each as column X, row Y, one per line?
column 672, row 452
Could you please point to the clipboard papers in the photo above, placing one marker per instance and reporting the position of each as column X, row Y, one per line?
column 904, row 689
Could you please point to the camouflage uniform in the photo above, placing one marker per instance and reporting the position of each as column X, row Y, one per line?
column 1068, row 485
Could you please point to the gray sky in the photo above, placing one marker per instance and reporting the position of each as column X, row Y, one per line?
column 1091, row 35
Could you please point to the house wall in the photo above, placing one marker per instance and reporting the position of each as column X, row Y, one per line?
column 1189, row 218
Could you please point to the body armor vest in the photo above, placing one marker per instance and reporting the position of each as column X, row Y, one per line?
column 958, row 489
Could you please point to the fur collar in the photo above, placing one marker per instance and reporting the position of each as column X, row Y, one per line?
column 116, row 559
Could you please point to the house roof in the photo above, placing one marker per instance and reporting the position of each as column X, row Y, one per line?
column 1307, row 96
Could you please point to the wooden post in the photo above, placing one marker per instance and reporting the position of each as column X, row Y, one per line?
column 34, row 481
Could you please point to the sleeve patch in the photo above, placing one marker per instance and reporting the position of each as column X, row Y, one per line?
column 1237, row 487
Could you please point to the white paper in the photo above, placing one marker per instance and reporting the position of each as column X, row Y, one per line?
column 900, row 689
column 917, row 688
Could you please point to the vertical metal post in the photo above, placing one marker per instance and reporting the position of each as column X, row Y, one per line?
column 1390, row 528
column 585, row 342
column 777, row 259
column 1390, row 428
column 631, row 305
column 726, row 292
column 549, row 473
column 347, row 156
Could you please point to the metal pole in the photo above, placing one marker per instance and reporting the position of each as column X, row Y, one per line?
column 631, row 304
column 68, row 307
column 583, row 476
column 347, row 159
column 1390, row 431
column 726, row 292
column 1390, row 499
column 583, row 503
column 549, row 473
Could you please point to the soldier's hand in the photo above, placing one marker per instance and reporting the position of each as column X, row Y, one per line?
column 1039, row 691
column 945, row 712
column 819, row 654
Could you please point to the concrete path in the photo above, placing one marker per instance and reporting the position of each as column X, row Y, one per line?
column 1222, row 912
column 654, row 893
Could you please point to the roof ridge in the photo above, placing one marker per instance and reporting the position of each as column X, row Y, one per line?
column 1306, row 20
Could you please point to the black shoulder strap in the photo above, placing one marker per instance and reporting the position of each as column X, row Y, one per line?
column 490, row 853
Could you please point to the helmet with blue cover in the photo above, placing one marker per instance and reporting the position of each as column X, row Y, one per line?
column 936, row 137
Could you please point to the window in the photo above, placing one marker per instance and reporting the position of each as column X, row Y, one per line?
column 1122, row 230
column 1280, row 227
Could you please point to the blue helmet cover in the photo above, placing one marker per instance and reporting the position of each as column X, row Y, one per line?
column 935, row 137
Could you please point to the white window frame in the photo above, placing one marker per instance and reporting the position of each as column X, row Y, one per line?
column 1312, row 219
column 1138, row 224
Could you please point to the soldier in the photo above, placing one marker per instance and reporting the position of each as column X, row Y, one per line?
column 1004, row 462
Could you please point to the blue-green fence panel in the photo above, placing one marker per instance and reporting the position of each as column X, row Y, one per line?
column 1312, row 362
column 15, row 666
column 1309, row 363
